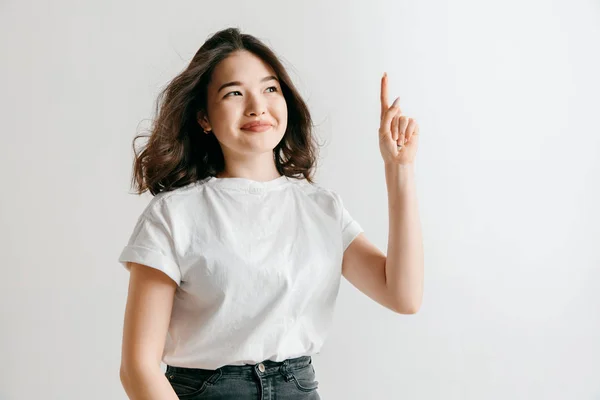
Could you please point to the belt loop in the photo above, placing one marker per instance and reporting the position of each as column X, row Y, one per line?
column 284, row 370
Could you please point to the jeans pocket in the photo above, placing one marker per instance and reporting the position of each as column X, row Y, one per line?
column 189, row 385
column 304, row 378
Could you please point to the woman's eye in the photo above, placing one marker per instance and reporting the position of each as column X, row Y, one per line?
column 236, row 91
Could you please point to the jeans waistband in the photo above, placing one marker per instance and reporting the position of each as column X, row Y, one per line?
column 270, row 365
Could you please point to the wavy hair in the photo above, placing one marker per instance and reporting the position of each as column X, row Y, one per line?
column 178, row 152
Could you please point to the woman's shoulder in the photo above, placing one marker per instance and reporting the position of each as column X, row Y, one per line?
column 163, row 201
column 322, row 195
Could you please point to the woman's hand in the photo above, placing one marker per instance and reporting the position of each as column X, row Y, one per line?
column 398, row 134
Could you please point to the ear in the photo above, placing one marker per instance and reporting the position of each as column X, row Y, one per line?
column 203, row 121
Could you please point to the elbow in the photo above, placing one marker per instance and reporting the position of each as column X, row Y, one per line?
column 123, row 375
column 407, row 311
column 126, row 373
column 407, row 308
column 132, row 371
column 123, row 378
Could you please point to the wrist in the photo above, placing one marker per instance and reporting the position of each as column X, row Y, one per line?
column 399, row 168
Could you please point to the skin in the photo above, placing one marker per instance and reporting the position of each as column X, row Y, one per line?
column 247, row 154
column 394, row 280
column 396, row 129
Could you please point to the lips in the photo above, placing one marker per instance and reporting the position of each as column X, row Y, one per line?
column 256, row 124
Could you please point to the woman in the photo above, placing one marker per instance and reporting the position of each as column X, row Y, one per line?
column 235, row 263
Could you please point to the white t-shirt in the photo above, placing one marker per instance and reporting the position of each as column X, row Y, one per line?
column 258, row 267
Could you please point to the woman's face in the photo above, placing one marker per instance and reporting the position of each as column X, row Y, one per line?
column 231, row 105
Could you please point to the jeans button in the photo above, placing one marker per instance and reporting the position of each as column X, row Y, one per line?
column 261, row 367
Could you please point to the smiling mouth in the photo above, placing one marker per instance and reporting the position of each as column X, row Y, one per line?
column 258, row 128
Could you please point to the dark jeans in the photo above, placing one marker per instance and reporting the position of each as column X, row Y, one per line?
column 292, row 379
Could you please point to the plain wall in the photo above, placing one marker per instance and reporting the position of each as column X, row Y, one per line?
column 506, row 95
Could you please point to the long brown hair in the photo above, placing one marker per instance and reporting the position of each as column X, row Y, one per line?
column 178, row 152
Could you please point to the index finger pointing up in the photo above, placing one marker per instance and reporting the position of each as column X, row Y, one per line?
column 384, row 94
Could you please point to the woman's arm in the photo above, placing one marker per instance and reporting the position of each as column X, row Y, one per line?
column 147, row 316
column 404, row 265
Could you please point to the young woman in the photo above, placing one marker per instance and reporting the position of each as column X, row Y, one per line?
column 235, row 263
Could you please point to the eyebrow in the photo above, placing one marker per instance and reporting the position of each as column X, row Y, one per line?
column 238, row 83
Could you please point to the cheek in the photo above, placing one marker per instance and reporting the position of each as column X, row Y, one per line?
column 227, row 115
column 282, row 112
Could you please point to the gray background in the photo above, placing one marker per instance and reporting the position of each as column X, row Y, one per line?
column 507, row 98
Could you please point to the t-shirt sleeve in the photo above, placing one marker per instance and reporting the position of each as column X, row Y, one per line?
column 151, row 244
column 350, row 227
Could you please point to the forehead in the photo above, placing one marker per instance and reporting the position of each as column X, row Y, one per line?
column 241, row 66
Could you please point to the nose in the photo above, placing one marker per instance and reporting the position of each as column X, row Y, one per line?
column 256, row 105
